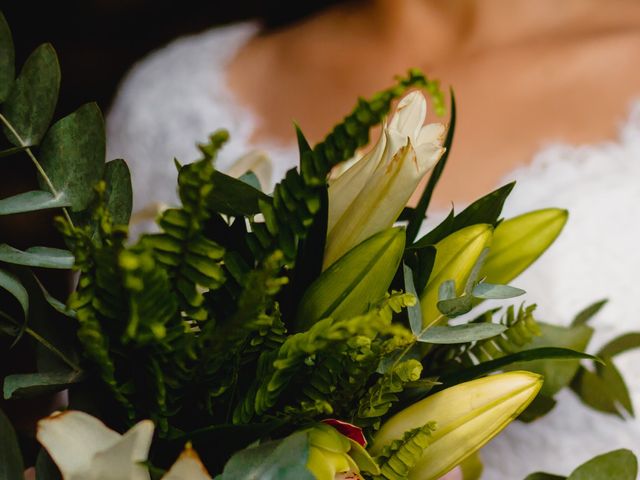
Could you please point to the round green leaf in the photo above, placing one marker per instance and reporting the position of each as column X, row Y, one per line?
column 30, row 105
column 619, row 464
column 12, row 284
column 30, row 202
column 44, row 257
column 73, row 153
column 7, row 59
column 11, row 465
column 119, row 194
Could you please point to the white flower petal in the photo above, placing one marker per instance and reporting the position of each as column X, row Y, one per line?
column 122, row 460
column 344, row 189
column 187, row 467
column 72, row 439
column 410, row 115
column 431, row 133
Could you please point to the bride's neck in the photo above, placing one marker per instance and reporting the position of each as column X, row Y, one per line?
column 455, row 25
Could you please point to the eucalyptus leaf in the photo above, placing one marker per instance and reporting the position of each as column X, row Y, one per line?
column 72, row 155
column 447, row 290
column 277, row 460
column 454, row 307
column 588, row 313
column 12, row 151
column 234, row 197
column 27, row 385
column 30, row 105
column 11, row 465
column 618, row 464
column 119, row 194
column 31, row 201
column 11, row 283
column 448, row 335
column 45, row 257
column 57, row 305
column 414, row 312
column 7, row 59
column 490, row 291
column 251, row 179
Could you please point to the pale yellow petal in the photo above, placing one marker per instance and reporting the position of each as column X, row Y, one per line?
column 122, row 460
column 431, row 133
column 187, row 467
column 410, row 115
column 72, row 439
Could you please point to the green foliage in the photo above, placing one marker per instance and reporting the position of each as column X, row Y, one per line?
column 400, row 456
column 619, row 464
column 378, row 400
column 11, row 465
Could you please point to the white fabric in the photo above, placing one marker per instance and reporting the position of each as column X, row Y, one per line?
column 178, row 95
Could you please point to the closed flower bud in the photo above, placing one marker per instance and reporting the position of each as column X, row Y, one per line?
column 519, row 241
column 359, row 279
column 466, row 417
column 456, row 255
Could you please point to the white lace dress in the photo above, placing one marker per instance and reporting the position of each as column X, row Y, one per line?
column 178, row 95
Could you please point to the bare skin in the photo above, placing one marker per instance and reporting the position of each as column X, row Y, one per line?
column 525, row 72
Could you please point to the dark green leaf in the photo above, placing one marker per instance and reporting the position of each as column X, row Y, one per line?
column 234, row 197
column 594, row 391
column 45, row 468
column 31, row 201
column 496, row 292
column 37, row 257
column 278, row 460
column 251, row 179
column 7, row 59
column 11, row 466
column 454, row 307
column 618, row 464
column 615, row 384
column 621, row 344
column 484, row 210
column 12, row 151
column 544, row 476
column 12, row 284
column 540, row 406
column 585, row 315
column 119, row 195
column 557, row 375
column 425, row 199
column 414, row 312
column 461, row 333
column 72, row 155
column 438, row 233
column 57, row 305
column 30, row 105
column 29, row 385
column 449, row 378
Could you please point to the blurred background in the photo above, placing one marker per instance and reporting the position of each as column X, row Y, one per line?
column 99, row 40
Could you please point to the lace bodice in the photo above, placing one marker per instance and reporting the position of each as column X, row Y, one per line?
column 178, row 95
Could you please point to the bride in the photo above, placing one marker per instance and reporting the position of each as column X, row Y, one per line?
column 545, row 92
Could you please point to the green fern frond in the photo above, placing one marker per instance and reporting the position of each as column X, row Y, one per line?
column 400, row 456
column 384, row 393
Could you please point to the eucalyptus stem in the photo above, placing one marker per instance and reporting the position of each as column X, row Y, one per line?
column 37, row 164
column 45, row 343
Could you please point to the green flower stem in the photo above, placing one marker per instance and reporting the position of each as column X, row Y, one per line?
column 35, row 161
column 36, row 336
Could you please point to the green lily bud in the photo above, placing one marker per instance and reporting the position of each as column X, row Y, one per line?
column 467, row 416
column 456, row 255
column 331, row 453
column 519, row 241
column 355, row 281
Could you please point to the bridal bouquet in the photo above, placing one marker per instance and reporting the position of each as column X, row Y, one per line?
column 313, row 333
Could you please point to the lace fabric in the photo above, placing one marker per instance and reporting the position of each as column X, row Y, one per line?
column 178, row 95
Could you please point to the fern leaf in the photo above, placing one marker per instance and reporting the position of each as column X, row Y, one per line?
column 384, row 393
column 398, row 458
